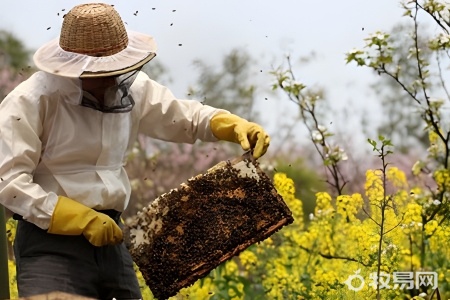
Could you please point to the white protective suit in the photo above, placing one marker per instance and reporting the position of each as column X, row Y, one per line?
column 51, row 146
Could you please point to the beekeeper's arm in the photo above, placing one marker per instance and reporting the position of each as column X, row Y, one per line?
column 184, row 121
column 20, row 150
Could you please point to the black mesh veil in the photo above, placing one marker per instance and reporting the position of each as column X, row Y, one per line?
column 116, row 99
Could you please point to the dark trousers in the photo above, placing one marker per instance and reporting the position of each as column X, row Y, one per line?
column 49, row 262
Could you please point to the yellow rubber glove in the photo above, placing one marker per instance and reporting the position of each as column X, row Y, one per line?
column 73, row 218
column 231, row 128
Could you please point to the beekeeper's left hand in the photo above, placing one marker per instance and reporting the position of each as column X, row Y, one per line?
column 249, row 135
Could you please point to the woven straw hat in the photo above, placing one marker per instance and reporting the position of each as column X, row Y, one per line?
column 94, row 43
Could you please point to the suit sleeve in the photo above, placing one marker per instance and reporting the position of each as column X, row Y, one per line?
column 167, row 118
column 20, row 150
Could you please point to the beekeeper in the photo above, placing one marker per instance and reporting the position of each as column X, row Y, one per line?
column 65, row 134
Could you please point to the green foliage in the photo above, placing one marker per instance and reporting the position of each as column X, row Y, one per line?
column 228, row 88
column 385, row 143
column 13, row 51
column 14, row 58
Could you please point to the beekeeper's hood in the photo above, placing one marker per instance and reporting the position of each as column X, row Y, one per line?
column 94, row 43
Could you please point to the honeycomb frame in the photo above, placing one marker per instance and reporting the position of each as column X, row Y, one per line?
column 184, row 234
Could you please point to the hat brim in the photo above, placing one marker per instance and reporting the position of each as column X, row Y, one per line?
column 118, row 72
column 51, row 58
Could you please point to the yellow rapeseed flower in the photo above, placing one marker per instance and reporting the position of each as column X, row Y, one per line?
column 348, row 206
column 397, row 177
column 12, row 280
column 231, row 267
column 413, row 214
column 431, row 227
column 374, row 186
column 11, row 227
column 323, row 204
column 437, row 147
column 442, row 178
column 248, row 259
column 286, row 188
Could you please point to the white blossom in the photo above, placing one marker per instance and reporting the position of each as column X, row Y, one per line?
column 380, row 36
column 342, row 154
column 443, row 39
column 317, row 136
column 355, row 51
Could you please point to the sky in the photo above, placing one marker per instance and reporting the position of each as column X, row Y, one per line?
column 267, row 30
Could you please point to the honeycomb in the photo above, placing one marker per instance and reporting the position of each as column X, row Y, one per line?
column 184, row 234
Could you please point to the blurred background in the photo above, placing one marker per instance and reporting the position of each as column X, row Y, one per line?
column 314, row 33
column 224, row 53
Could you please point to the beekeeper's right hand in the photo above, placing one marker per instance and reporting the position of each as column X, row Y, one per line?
column 73, row 218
